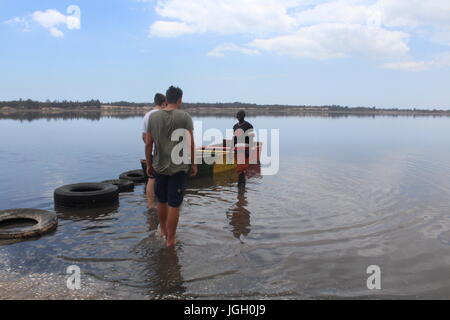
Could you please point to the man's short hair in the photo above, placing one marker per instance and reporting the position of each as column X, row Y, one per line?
column 241, row 113
column 159, row 99
column 174, row 94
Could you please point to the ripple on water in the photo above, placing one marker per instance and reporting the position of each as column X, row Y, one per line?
column 310, row 231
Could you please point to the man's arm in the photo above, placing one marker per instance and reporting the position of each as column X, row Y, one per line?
column 143, row 136
column 148, row 153
column 251, row 130
column 193, row 154
column 189, row 126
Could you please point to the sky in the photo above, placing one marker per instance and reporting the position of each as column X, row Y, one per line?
column 382, row 53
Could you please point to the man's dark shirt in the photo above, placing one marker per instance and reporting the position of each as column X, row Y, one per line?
column 245, row 126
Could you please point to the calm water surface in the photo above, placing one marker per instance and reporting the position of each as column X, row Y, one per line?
column 350, row 193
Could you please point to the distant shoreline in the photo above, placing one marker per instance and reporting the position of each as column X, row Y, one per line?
column 213, row 110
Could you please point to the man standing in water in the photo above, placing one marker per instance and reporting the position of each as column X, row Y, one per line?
column 242, row 128
column 170, row 174
column 160, row 102
column 242, row 142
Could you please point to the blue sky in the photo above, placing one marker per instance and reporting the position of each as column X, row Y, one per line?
column 384, row 53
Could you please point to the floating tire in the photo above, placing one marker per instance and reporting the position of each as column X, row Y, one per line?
column 84, row 195
column 45, row 221
column 122, row 184
column 137, row 176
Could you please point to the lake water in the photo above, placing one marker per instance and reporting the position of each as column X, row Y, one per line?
column 351, row 192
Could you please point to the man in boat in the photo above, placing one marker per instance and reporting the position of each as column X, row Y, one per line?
column 170, row 174
column 243, row 140
column 160, row 102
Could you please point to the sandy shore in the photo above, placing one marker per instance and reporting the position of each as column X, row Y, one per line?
column 45, row 286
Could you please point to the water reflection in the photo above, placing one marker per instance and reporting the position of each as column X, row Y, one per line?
column 239, row 215
column 161, row 266
column 218, row 179
column 160, row 269
column 92, row 214
column 166, row 269
column 152, row 219
column 95, row 115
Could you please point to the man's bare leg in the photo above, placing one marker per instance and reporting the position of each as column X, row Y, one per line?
column 150, row 191
column 163, row 209
column 172, row 224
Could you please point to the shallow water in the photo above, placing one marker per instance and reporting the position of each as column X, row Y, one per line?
column 350, row 193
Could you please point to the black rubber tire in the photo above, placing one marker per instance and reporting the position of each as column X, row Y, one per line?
column 137, row 176
column 124, row 185
column 84, row 195
column 46, row 222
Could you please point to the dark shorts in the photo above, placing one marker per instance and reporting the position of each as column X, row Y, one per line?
column 170, row 189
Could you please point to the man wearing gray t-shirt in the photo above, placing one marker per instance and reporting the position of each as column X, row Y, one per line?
column 168, row 129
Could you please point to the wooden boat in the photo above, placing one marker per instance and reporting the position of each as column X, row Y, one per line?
column 221, row 158
column 216, row 159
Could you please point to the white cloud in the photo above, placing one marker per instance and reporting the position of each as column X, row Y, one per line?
column 49, row 18
column 407, row 66
column 56, row 33
column 331, row 41
column 223, row 17
column 52, row 20
column 415, row 13
column 22, row 22
column 340, row 11
column 327, row 29
column 169, row 29
column 429, row 19
column 439, row 61
column 220, row 50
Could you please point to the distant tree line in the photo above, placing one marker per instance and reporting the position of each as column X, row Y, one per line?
column 32, row 104
column 65, row 104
